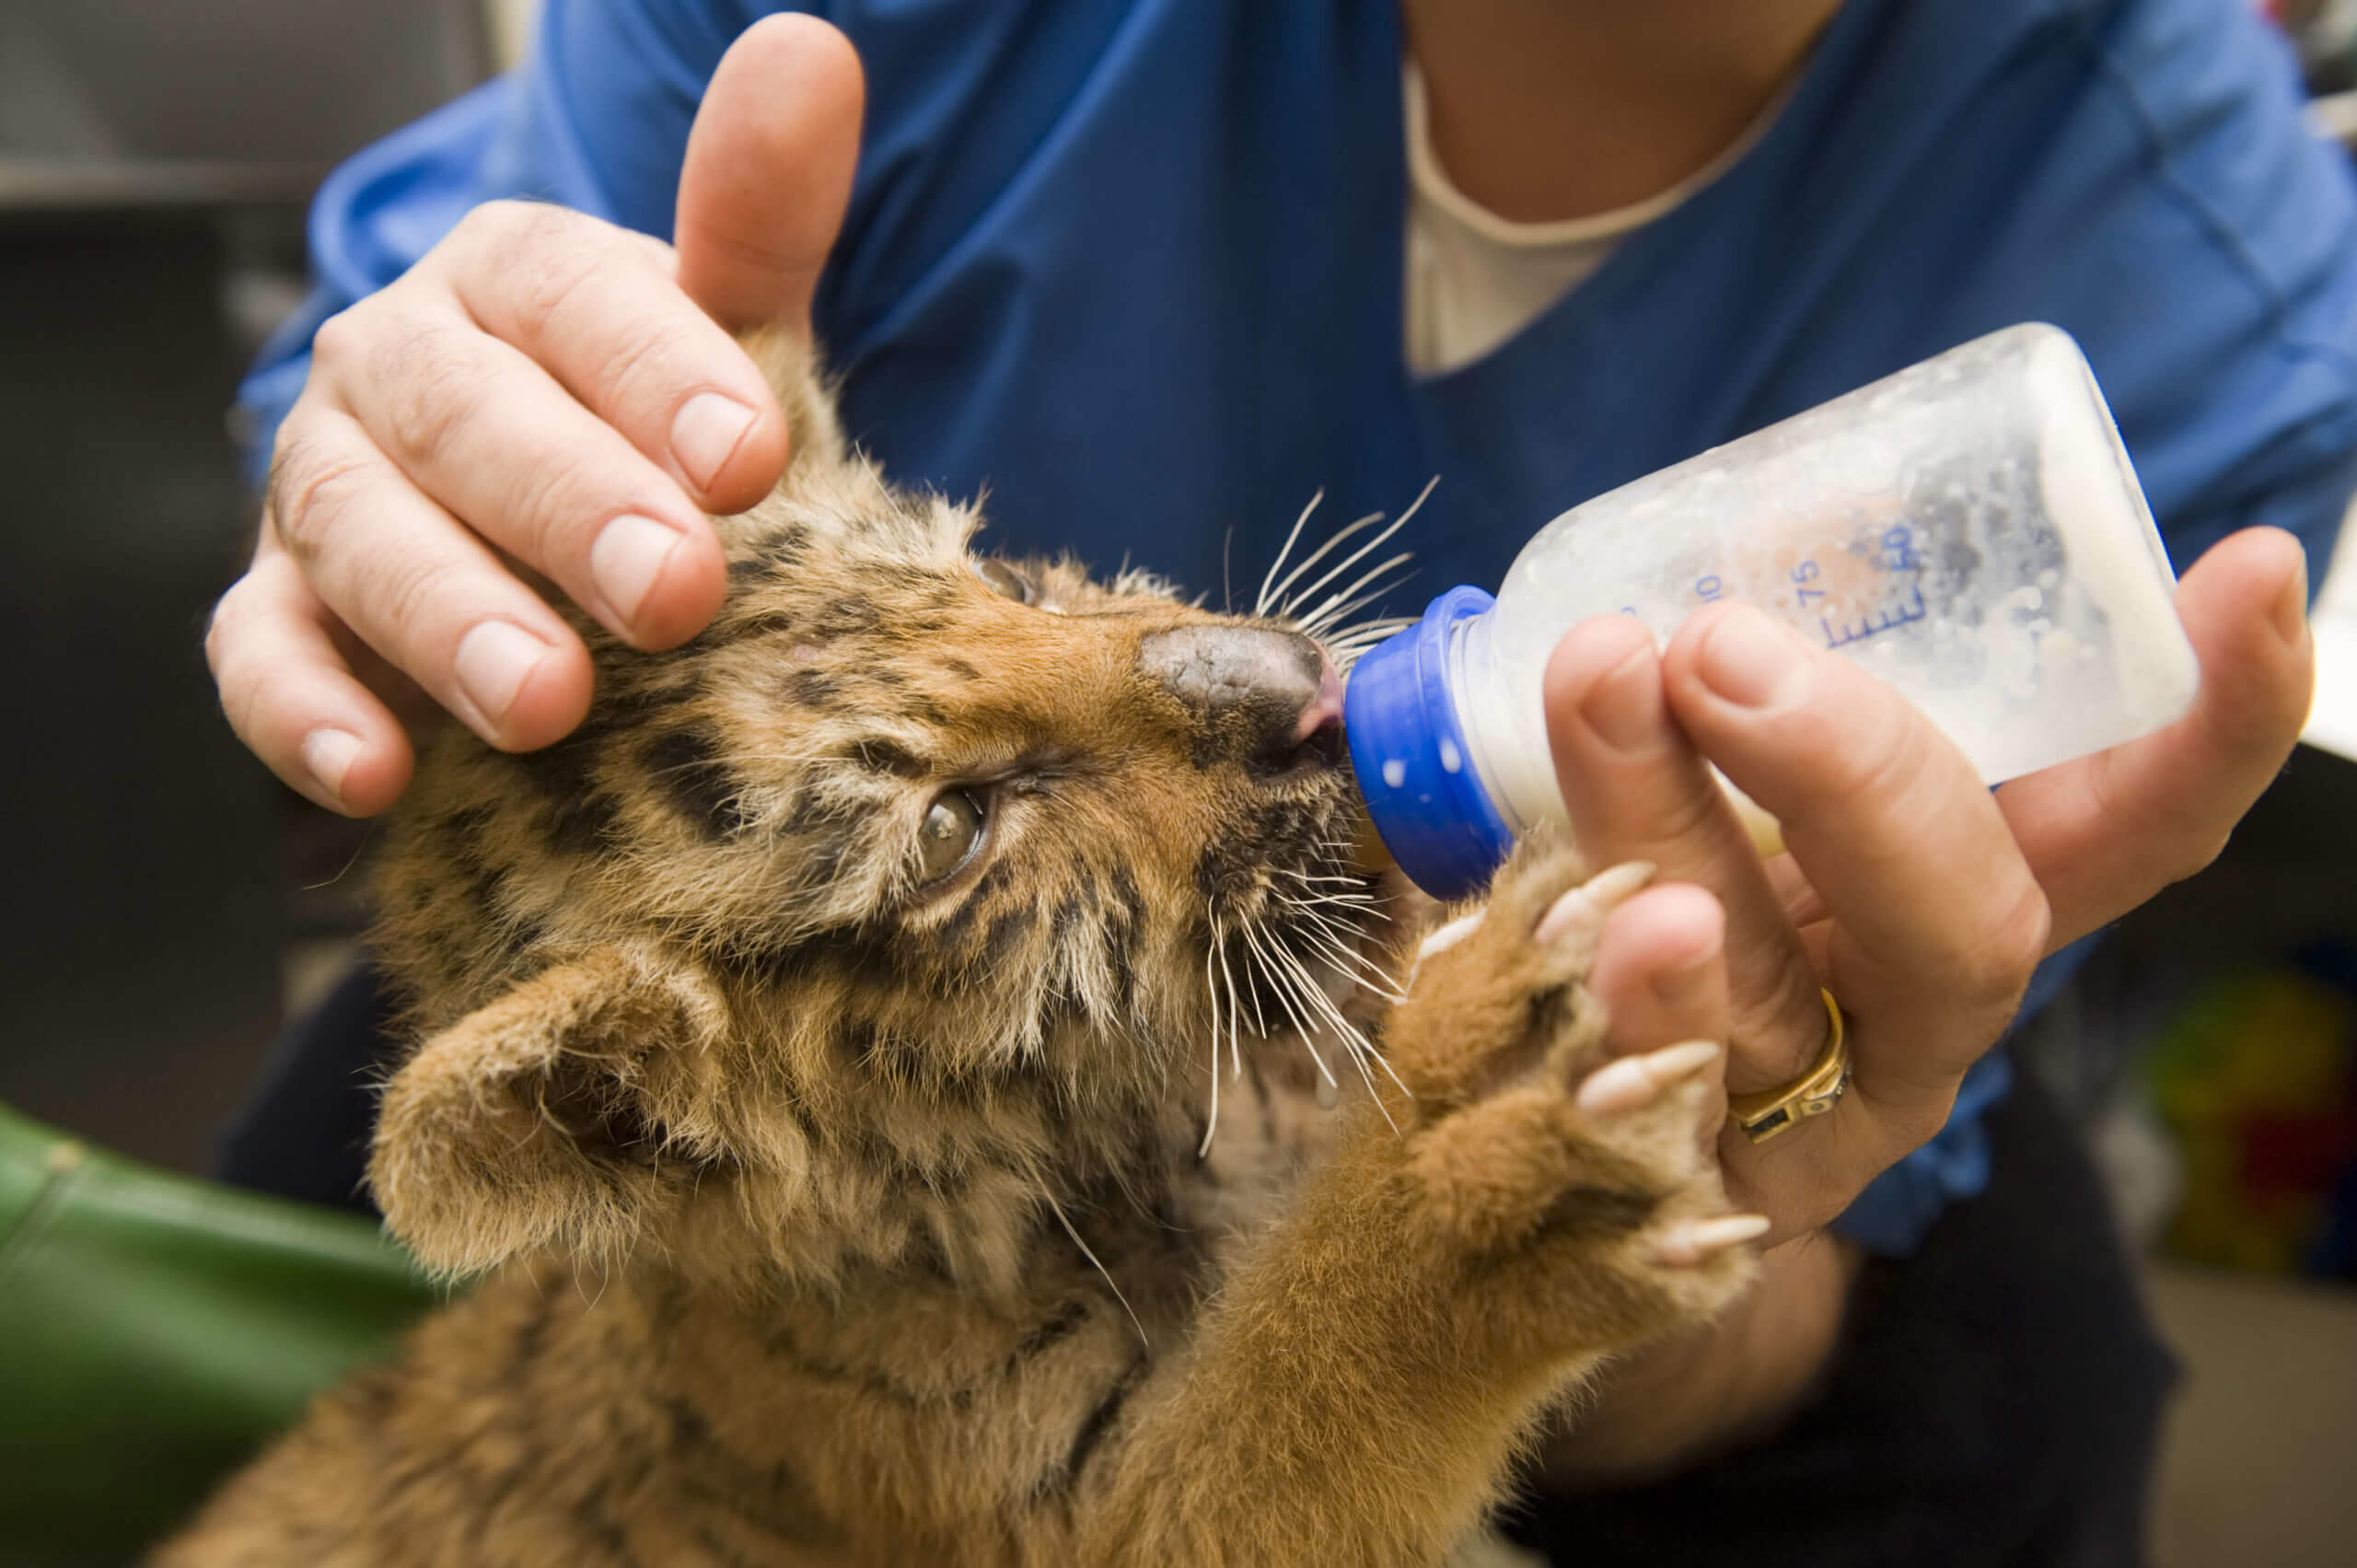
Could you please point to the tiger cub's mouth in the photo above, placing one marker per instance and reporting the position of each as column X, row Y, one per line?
column 1297, row 945
column 1317, row 743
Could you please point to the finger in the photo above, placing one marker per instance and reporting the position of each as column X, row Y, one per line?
column 2106, row 833
column 769, row 171
column 1935, row 920
column 291, row 698
column 422, row 590
column 1636, row 789
column 607, row 320
column 1658, row 969
column 480, row 428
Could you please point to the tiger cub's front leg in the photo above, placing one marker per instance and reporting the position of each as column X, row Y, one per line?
column 1356, row 1389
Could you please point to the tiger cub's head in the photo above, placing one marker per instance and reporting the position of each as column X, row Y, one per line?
column 916, row 851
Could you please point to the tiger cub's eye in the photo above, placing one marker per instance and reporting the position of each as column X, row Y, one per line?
column 1009, row 582
column 950, row 832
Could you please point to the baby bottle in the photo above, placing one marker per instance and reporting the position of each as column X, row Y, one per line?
column 1969, row 530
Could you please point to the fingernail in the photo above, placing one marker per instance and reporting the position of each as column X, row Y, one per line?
column 494, row 661
column 2292, row 605
column 1754, row 660
column 627, row 559
column 705, row 432
column 1675, row 983
column 327, row 756
column 1625, row 707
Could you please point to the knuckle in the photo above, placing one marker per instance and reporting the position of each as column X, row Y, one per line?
column 408, row 594
column 2190, row 839
column 436, row 388
column 1997, row 964
column 1881, row 758
column 547, row 271
column 241, row 700
column 1911, row 1126
column 311, row 493
column 2196, row 852
column 505, row 227
column 341, row 338
column 485, row 221
column 639, row 371
column 557, row 509
column 2181, row 833
column 226, row 625
column 240, row 683
column 1684, row 811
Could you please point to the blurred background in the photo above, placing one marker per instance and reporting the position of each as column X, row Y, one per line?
column 168, row 903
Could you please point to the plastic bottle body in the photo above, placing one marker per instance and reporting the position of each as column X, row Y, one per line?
column 1969, row 530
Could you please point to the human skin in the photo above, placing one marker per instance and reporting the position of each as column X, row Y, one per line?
column 535, row 344
column 535, row 385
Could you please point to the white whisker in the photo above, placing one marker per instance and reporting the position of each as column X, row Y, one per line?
column 1341, row 536
column 1268, row 974
column 1260, row 1024
column 1299, row 875
column 1260, row 605
column 1066, row 1221
column 1292, row 604
column 1347, row 898
column 1347, row 601
column 1347, row 562
column 1301, row 1026
column 1353, row 1041
column 1356, row 968
column 1210, row 1120
column 1235, row 1011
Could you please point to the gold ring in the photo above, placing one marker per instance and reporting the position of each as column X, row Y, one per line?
column 1763, row 1114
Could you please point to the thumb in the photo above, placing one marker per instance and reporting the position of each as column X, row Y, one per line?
column 2106, row 833
column 769, row 172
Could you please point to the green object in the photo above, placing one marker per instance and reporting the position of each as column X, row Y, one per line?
column 155, row 1330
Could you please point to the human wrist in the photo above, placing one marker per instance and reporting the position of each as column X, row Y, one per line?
column 1678, row 1401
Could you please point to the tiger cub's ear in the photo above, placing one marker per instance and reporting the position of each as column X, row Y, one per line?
column 541, row 1120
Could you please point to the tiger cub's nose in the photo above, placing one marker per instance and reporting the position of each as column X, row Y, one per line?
column 1270, row 699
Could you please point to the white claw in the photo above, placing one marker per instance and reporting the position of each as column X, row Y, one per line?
column 1587, row 904
column 1691, row 1241
column 1449, row 935
column 1635, row 1081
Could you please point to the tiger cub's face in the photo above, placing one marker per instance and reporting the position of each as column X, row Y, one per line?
column 940, row 831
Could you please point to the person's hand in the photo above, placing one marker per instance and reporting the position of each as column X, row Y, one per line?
column 542, row 393
column 1917, row 898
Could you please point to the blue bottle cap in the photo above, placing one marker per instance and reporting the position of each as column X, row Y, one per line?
column 1413, row 767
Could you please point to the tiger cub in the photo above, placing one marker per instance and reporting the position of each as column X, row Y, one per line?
column 901, row 1073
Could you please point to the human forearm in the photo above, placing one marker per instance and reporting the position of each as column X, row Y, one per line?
column 1683, row 1399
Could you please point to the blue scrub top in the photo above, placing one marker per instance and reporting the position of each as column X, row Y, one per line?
column 1135, row 265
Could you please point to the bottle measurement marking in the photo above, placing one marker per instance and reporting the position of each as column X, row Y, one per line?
column 1893, row 553
column 1898, row 554
column 1877, row 623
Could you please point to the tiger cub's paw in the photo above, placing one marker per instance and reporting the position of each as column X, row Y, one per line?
column 1589, row 1179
